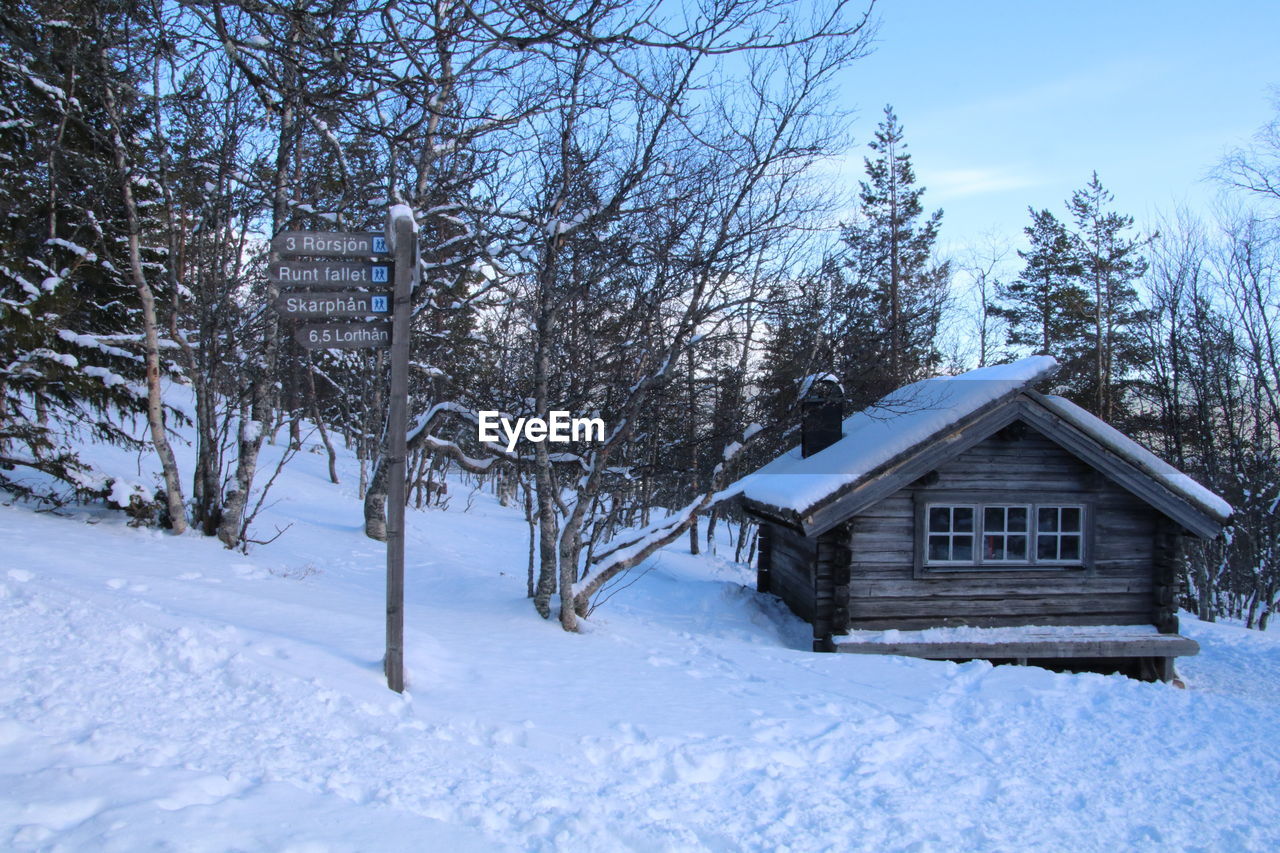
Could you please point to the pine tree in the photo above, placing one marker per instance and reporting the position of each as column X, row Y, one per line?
column 1076, row 300
column 1110, row 262
column 890, row 255
column 1045, row 308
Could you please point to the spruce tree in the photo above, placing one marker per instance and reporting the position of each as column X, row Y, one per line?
column 800, row 341
column 1076, row 300
column 64, row 302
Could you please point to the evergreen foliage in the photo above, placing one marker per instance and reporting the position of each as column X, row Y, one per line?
column 895, row 288
column 1111, row 263
column 1076, row 298
column 66, row 311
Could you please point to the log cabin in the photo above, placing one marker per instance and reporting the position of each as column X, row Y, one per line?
column 975, row 517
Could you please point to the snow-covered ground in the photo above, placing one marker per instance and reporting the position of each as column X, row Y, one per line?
column 162, row 693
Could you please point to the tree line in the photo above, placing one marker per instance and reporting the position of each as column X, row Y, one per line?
column 623, row 213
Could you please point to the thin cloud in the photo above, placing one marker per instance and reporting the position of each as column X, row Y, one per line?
column 960, row 183
column 1101, row 83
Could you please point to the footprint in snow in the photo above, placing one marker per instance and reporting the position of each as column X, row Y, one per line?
column 58, row 815
column 698, row 769
column 12, row 732
column 248, row 571
column 204, row 791
column 272, row 652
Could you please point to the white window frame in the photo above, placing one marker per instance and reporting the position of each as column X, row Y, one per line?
column 1058, row 534
column 1029, row 534
column 979, row 505
column 951, row 533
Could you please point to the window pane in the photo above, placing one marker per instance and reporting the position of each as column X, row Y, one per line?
column 1046, row 547
column 938, row 549
column 963, row 519
column 993, row 548
column 939, row 518
column 962, row 547
column 1017, row 518
column 1070, row 548
column 1071, row 518
column 1048, row 519
column 993, row 519
column 1016, row 547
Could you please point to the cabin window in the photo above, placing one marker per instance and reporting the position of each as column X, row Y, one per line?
column 1058, row 534
column 1004, row 535
column 950, row 535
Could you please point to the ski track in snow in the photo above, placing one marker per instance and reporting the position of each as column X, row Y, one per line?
column 163, row 693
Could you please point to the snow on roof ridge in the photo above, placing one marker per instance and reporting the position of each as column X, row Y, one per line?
column 1176, row 481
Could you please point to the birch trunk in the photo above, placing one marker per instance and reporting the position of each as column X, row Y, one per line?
column 263, row 394
column 175, row 505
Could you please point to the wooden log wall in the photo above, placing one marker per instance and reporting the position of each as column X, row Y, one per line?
column 790, row 564
column 1168, row 558
column 764, row 562
column 1119, row 587
column 831, row 587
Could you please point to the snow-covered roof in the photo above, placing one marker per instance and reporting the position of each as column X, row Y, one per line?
column 902, row 420
column 1134, row 453
column 922, row 412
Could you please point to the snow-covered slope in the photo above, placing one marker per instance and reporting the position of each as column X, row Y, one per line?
column 163, row 693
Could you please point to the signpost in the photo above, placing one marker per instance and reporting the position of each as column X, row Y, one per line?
column 343, row 335
column 383, row 259
column 324, row 244
column 290, row 274
column 403, row 233
column 349, row 304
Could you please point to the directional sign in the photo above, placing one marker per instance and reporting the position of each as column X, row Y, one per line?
column 329, row 244
column 366, row 295
column 344, row 335
column 307, row 273
column 334, row 304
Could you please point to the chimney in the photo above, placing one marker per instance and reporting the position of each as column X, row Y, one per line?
column 821, row 401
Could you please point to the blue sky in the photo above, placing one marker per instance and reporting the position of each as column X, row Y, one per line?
column 1009, row 104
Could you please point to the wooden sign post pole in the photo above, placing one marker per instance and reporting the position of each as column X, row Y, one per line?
column 404, row 242
column 401, row 237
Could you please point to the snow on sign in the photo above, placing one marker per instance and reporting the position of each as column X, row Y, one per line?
column 330, row 244
column 309, row 273
column 354, row 304
column 344, row 335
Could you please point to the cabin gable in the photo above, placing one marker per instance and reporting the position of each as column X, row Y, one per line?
column 1031, row 410
column 893, row 584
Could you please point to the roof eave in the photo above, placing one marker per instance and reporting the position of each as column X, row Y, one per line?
column 1196, row 519
column 769, row 512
